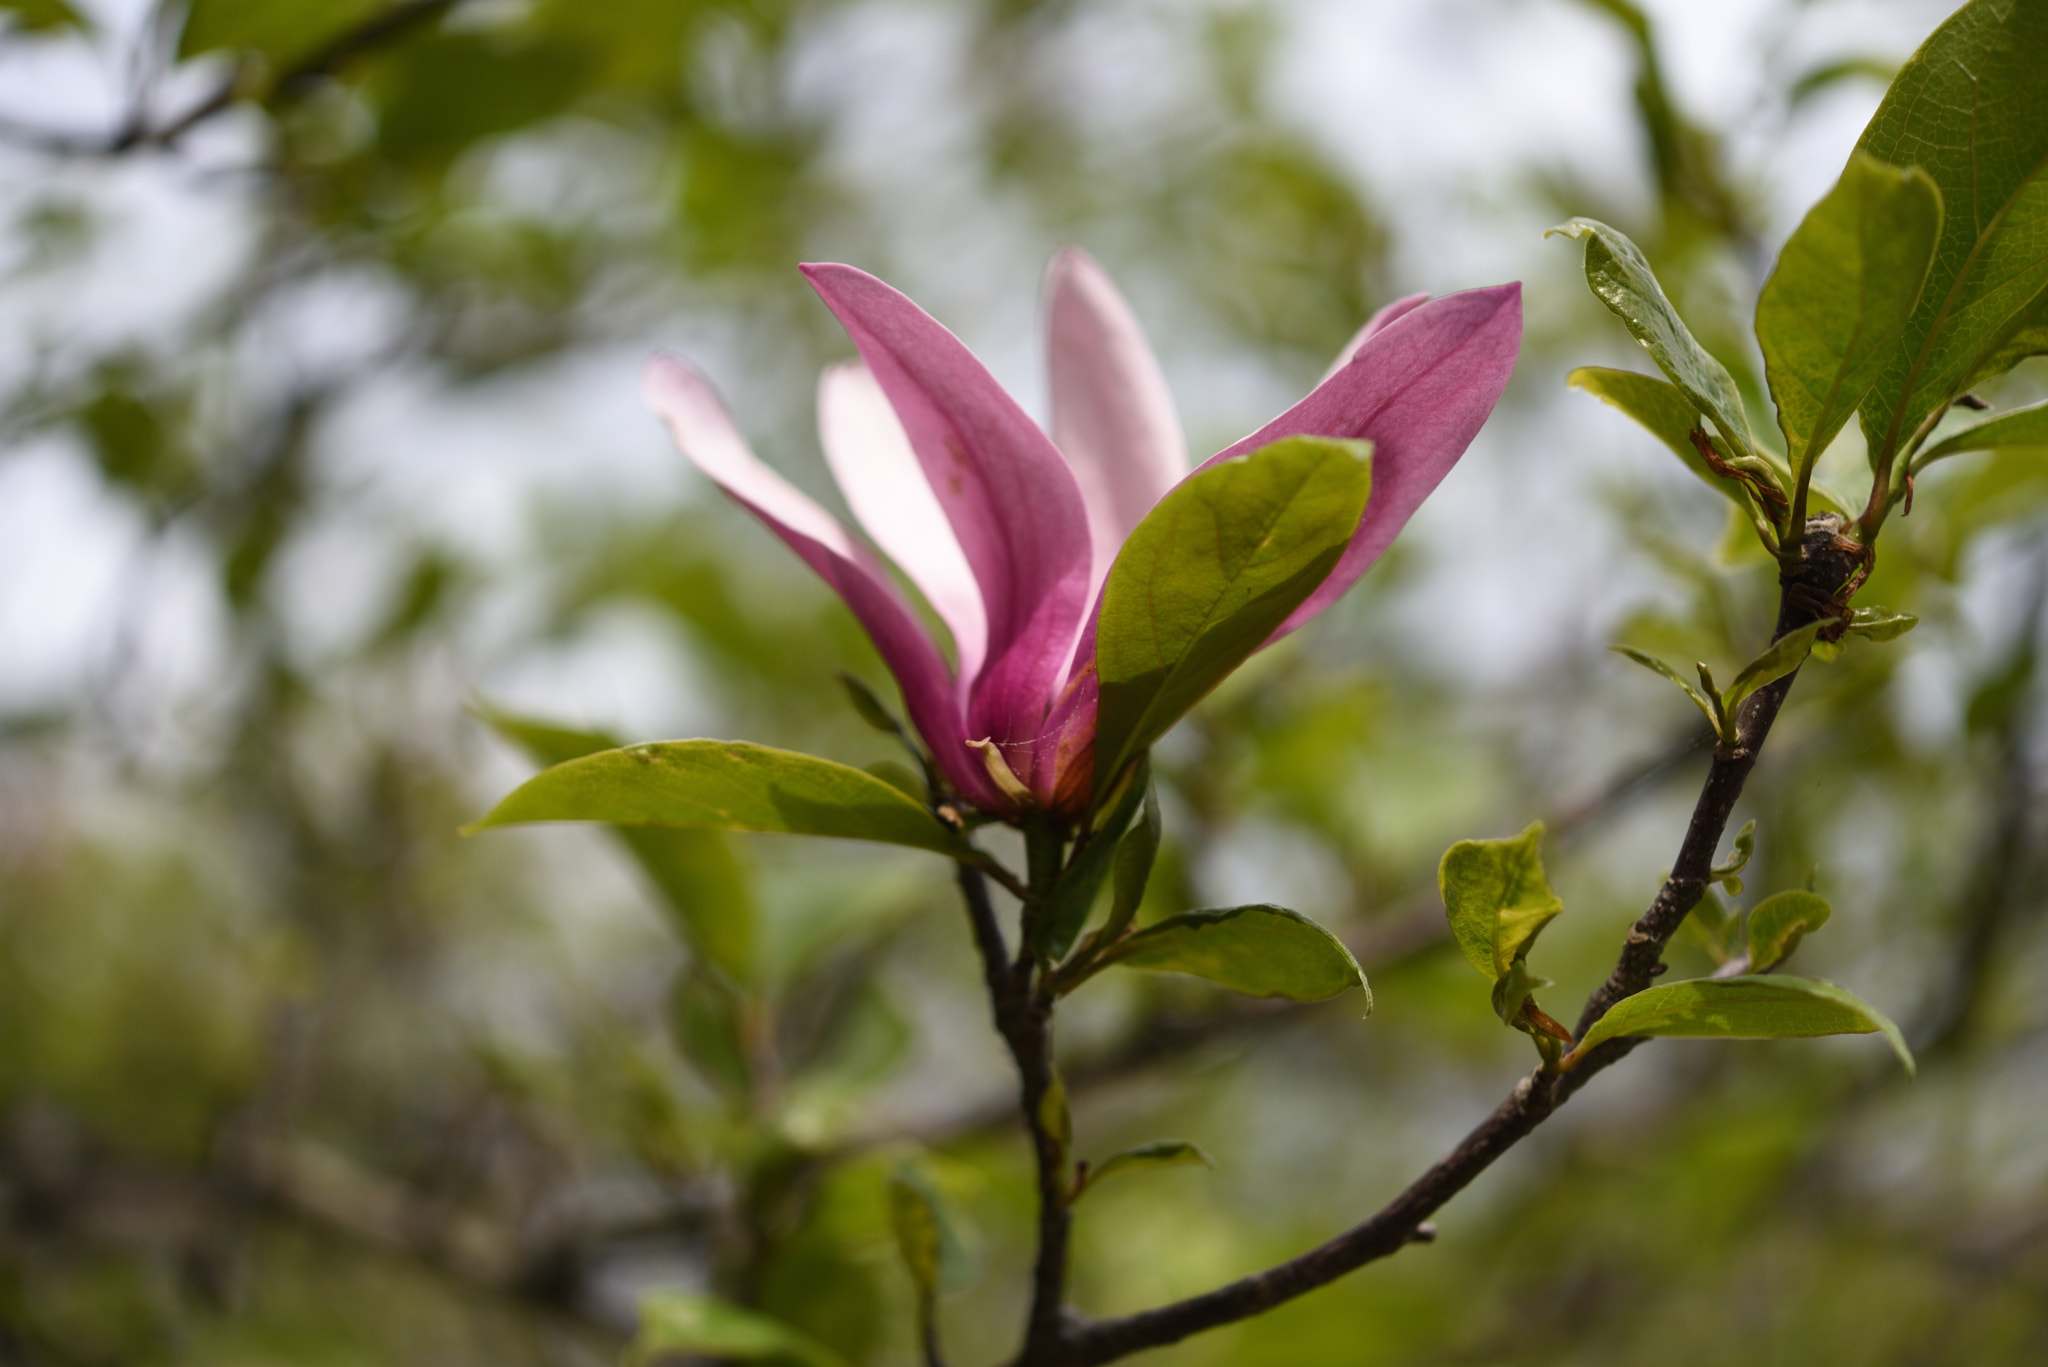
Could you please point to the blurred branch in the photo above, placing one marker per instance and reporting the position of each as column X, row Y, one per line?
column 325, row 61
column 2008, row 863
column 1808, row 591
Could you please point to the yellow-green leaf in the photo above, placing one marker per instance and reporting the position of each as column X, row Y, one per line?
column 1751, row 1007
column 1779, row 922
column 730, row 785
column 1497, row 898
column 1261, row 951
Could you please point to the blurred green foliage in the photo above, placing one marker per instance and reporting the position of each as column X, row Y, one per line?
column 289, row 1073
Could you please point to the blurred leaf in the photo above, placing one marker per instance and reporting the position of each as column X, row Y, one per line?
column 1831, row 311
column 1209, row 576
column 730, row 785
column 1881, row 624
column 1497, row 899
column 1774, row 1007
column 1261, row 951
column 1828, row 75
column 706, row 1017
column 1055, row 1118
column 703, row 885
column 2025, row 428
column 1777, row 925
column 1971, row 110
column 1621, row 278
column 443, row 93
column 678, row 1322
column 1778, row 659
column 1073, row 893
column 929, row 1232
column 898, row 776
column 1159, row 1153
column 41, row 16
column 278, row 30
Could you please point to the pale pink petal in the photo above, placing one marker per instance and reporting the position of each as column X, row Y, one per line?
column 1397, row 309
column 1112, row 416
column 1419, row 389
column 875, row 468
column 1011, row 500
column 704, row 433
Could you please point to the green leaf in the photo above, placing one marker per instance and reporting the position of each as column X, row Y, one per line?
column 1209, row 576
column 1881, row 624
column 1135, row 854
column 1831, row 312
column 2021, row 428
column 1073, row 894
column 704, row 887
column 41, row 16
column 1664, row 410
column 1971, row 110
column 870, row 708
column 1778, row 923
column 1513, row 990
column 1159, row 1153
column 1497, row 898
column 1261, row 951
column 676, row 1322
column 1752, row 1007
column 1738, row 860
column 898, row 776
column 929, row 1233
column 1700, row 700
column 1622, row 279
column 1778, row 659
column 730, row 785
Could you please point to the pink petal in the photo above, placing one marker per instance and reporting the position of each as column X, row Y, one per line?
column 875, row 468
column 1112, row 416
column 1399, row 308
column 1011, row 500
column 704, row 433
column 1419, row 389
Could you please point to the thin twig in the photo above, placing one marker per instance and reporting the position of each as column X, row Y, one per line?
column 1808, row 586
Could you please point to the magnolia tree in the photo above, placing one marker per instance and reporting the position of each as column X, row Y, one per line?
column 1092, row 590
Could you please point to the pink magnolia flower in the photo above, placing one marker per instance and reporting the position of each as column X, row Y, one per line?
column 1009, row 533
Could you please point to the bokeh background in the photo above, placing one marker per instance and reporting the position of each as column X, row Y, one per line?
column 320, row 335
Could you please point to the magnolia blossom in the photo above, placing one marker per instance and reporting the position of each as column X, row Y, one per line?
column 1009, row 532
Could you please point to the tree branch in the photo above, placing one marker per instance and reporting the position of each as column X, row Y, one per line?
column 1023, row 1017
column 1809, row 589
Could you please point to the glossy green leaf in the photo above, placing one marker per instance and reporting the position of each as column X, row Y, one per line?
column 1881, row 624
column 1073, row 894
column 1831, row 312
column 2022, row 428
column 703, row 885
column 682, row 1322
column 1209, row 576
column 731, row 785
column 1779, row 922
column 1497, row 898
column 1971, row 110
column 1622, row 279
column 1261, row 951
column 1707, row 705
column 1778, row 659
column 1159, row 1153
column 1750, row 1007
